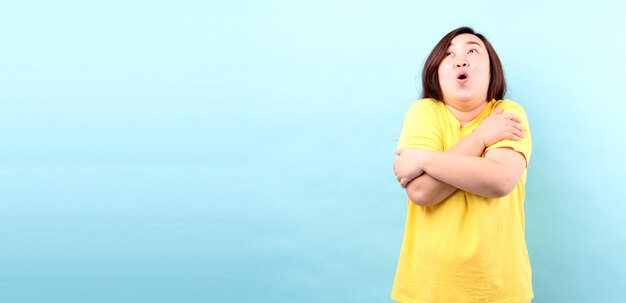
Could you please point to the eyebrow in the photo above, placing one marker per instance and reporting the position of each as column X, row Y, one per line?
column 468, row 43
column 473, row 42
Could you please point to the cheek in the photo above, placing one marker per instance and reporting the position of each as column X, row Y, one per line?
column 444, row 73
column 483, row 72
column 440, row 73
column 444, row 80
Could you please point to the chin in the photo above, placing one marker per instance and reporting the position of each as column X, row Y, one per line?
column 464, row 97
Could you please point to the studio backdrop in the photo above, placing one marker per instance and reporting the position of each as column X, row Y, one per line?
column 242, row 151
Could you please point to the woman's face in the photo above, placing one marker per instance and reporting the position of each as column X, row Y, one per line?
column 464, row 72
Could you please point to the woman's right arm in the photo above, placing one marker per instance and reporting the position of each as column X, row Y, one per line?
column 426, row 190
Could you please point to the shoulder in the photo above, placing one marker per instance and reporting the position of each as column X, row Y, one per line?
column 510, row 106
column 425, row 106
column 507, row 104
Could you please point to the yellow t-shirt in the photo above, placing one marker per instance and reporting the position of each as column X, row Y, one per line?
column 466, row 248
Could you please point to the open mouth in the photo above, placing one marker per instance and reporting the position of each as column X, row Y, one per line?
column 462, row 76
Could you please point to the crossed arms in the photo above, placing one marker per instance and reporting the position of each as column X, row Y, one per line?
column 431, row 176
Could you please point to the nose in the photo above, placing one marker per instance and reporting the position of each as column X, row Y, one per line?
column 462, row 63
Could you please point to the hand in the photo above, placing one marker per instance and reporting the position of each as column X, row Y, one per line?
column 408, row 165
column 498, row 127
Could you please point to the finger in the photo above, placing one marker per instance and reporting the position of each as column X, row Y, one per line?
column 519, row 130
column 515, row 136
column 513, row 118
column 509, row 136
column 516, row 131
column 515, row 126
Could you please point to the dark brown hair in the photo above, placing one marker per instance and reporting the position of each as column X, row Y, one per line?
column 430, row 76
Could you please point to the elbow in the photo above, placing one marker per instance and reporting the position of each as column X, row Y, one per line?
column 419, row 198
column 501, row 188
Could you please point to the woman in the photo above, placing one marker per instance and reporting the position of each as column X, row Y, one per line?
column 462, row 158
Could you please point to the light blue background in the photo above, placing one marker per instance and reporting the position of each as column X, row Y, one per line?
column 165, row 151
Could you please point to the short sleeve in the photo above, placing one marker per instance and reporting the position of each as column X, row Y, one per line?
column 421, row 127
column 523, row 146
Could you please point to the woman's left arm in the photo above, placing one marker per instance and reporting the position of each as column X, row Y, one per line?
column 493, row 176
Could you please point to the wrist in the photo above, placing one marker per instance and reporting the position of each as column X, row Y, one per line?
column 425, row 160
column 475, row 137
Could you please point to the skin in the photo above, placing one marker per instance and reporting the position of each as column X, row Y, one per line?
column 431, row 176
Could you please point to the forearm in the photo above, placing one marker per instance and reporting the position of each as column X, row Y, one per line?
column 426, row 190
column 481, row 176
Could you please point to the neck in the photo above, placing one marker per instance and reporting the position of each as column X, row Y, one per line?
column 466, row 111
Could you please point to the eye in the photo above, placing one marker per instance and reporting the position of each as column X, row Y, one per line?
column 472, row 51
column 449, row 54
